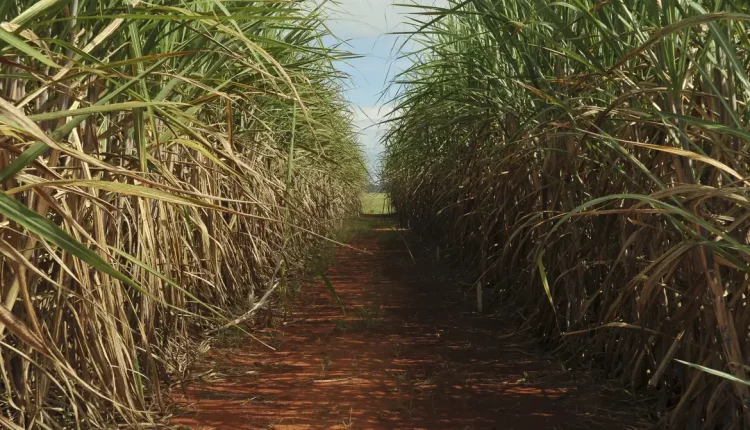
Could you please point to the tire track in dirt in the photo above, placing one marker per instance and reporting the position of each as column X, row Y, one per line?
column 411, row 353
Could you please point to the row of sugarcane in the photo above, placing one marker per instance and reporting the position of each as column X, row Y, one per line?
column 163, row 165
column 588, row 161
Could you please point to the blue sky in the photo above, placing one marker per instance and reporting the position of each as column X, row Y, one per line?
column 365, row 25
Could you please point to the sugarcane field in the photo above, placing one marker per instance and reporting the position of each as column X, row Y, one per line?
column 374, row 214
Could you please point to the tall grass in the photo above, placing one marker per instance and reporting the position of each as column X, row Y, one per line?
column 589, row 159
column 159, row 160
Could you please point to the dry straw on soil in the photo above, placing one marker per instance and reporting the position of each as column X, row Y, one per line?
column 590, row 160
column 159, row 161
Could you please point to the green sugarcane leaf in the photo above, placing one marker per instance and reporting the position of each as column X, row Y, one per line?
column 332, row 290
column 14, row 41
column 714, row 372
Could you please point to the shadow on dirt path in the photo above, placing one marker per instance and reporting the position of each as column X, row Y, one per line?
column 411, row 353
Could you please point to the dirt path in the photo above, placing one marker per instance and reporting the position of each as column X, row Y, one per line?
column 411, row 353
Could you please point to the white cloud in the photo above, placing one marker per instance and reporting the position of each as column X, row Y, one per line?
column 367, row 115
column 364, row 18
column 370, row 18
column 366, row 119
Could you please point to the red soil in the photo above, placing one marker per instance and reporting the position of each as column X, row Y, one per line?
column 411, row 353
